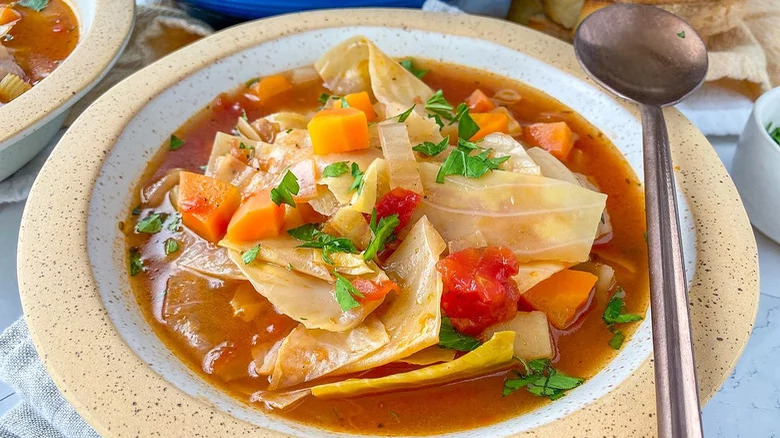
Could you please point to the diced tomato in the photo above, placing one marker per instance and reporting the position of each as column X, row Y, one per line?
column 478, row 288
column 398, row 201
column 372, row 291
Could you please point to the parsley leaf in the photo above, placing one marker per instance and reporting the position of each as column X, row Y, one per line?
column 324, row 98
column 335, row 169
column 383, row 232
column 137, row 210
column 250, row 255
column 346, row 293
column 136, row 262
column 451, row 338
column 175, row 143
column 344, row 103
column 459, row 111
column 681, row 34
column 409, row 66
column 774, row 134
column 251, row 82
column 150, row 224
column 430, row 149
column 405, row 115
column 461, row 162
column 438, row 105
column 283, row 193
column 357, row 183
column 314, row 238
column 437, row 118
column 467, row 127
column 174, row 222
column 171, row 246
column 243, row 115
column 542, row 380
column 35, row 5
column 613, row 313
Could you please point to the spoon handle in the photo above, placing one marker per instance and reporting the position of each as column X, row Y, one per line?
column 676, row 391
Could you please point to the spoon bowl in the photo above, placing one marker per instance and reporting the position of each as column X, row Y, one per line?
column 642, row 53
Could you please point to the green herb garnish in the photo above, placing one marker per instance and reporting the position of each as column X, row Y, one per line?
column 437, row 118
column 283, row 193
column 251, row 82
column 250, row 255
column 242, row 145
column 681, row 34
column 314, row 238
column 542, row 380
column 383, row 233
column 175, row 143
column 346, row 293
column 467, row 127
column 438, row 105
column 151, row 224
column 171, row 246
column 137, row 210
column 35, row 5
column 357, row 183
column 613, row 314
column 774, row 133
column 451, row 338
column 344, row 103
column 461, row 162
column 431, row 149
column 136, row 262
column 405, row 115
column 323, row 98
column 174, row 222
column 335, row 169
column 409, row 66
column 243, row 115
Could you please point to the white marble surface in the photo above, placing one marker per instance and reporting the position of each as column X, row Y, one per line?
column 748, row 404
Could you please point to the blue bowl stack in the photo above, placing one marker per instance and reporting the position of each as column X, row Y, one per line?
column 237, row 10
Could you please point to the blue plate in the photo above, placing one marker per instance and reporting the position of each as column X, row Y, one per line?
column 251, row 9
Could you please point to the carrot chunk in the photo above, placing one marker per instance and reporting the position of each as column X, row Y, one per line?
column 257, row 218
column 556, row 138
column 479, row 102
column 271, row 86
column 360, row 101
column 8, row 15
column 207, row 204
column 338, row 130
column 561, row 297
column 489, row 123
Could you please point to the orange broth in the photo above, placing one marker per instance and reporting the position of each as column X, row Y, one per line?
column 206, row 318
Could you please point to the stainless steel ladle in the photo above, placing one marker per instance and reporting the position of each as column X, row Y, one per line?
column 655, row 59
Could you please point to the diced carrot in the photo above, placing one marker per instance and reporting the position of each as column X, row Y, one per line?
column 338, row 130
column 556, row 138
column 562, row 297
column 306, row 173
column 207, row 204
column 489, row 123
column 479, row 102
column 360, row 101
column 257, row 218
column 271, row 86
column 372, row 291
column 8, row 15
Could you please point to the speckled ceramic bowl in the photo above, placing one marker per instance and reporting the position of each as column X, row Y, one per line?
column 32, row 119
column 107, row 361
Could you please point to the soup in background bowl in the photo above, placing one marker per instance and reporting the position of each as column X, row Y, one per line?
column 142, row 380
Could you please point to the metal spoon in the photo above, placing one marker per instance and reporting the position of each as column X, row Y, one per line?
column 655, row 59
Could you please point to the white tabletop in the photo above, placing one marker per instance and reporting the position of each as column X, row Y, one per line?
column 748, row 404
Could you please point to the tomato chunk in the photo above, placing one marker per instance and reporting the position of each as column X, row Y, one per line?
column 372, row 291
column 478, row 288
column 398, row 201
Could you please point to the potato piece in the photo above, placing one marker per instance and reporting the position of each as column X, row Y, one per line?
column 533, row 335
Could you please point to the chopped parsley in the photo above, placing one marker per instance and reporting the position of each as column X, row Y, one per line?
column 283, row 193
column 335, row 169
column 137, row 210
column 451, row 338
column 250, row 255
column 151, row 224
column 613, row 314
column 461, row 162
column 251, row 82
column 409, row 66
column 314, row 238
column 542, row 380
column 35, row 5
column 175, row 143
column 383, row 233
column 438, row 105
column 357, row 183
column 430, row 149
column 681, row 34
column 174, row 222
column 136, row 262
column 467, row 127
column 437, row 118
column 344, row 103
column 346, row 293
column 324, row 98
column 774, row 134
column 243, row 115
column 290, row 267
column 171, row 246
column 405, row 115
